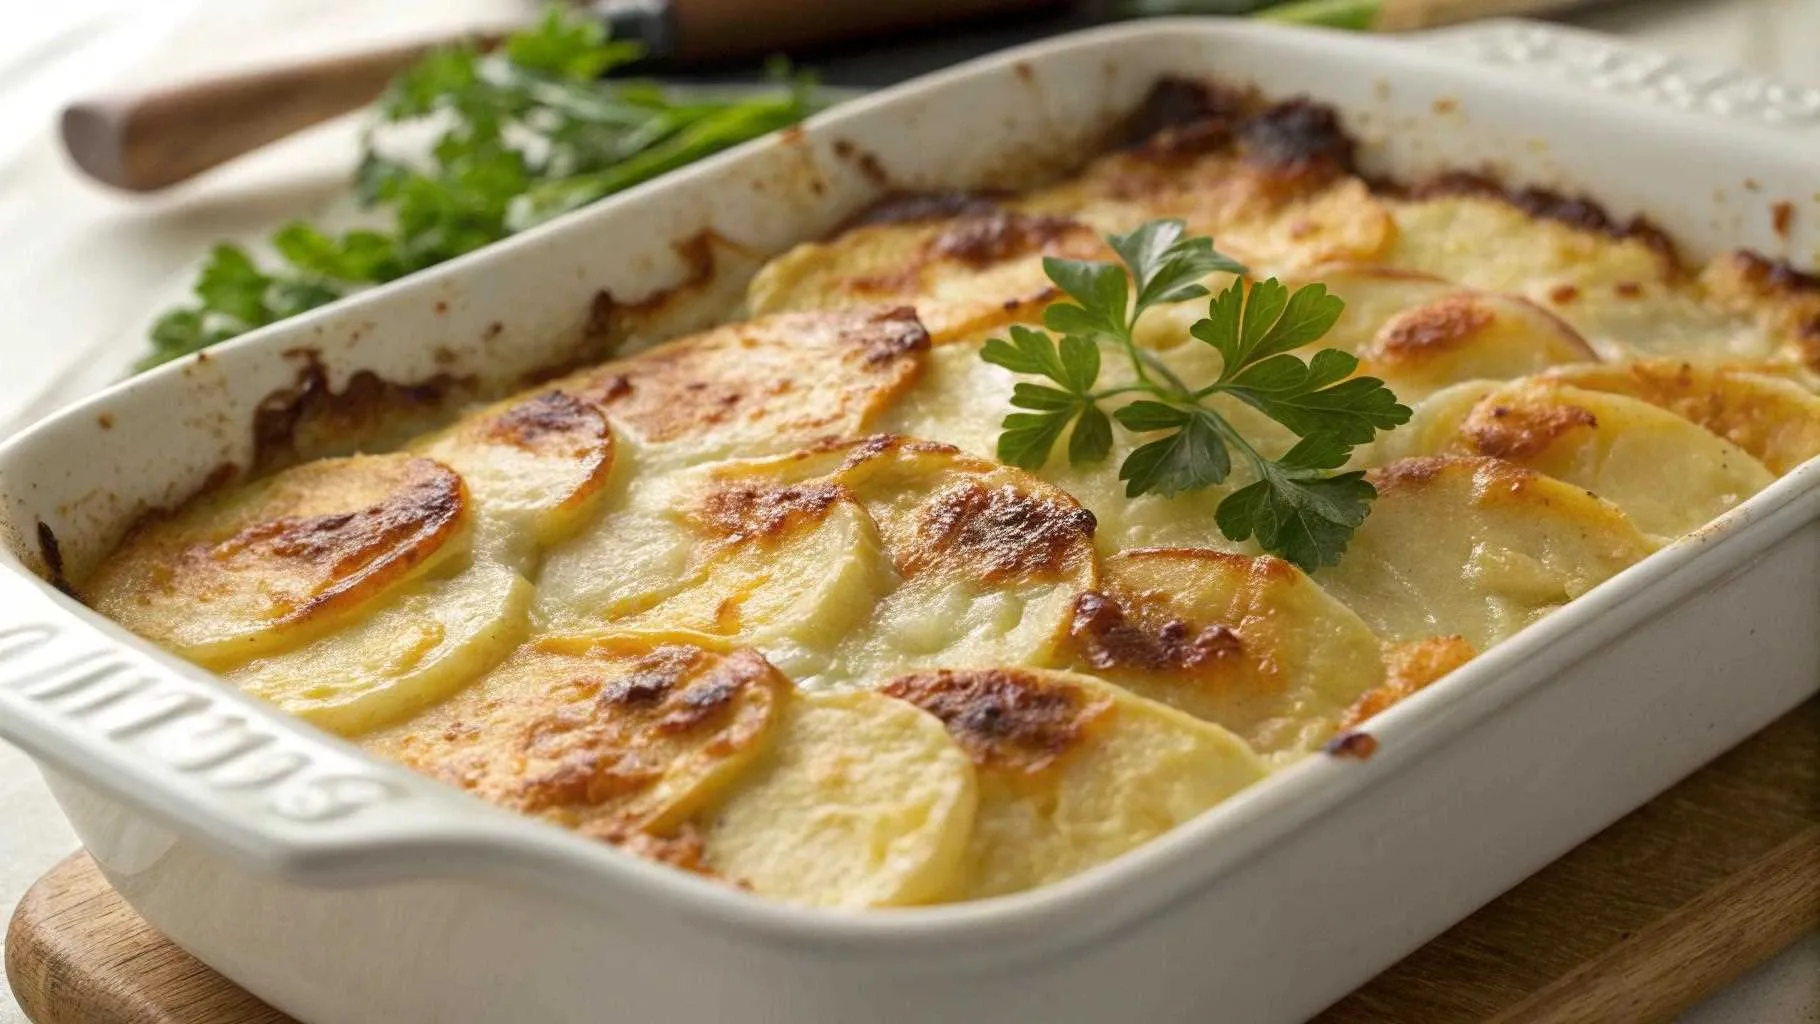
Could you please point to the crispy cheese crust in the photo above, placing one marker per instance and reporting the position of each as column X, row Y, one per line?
column 761, row 603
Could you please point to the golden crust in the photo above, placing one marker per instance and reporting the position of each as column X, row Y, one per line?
column 773, row 384
column 261, row 568
column 1005, row 719
column 604, row 735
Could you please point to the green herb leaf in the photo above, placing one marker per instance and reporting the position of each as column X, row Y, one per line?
column 522, row 134
column 1297, row 507
column 1305, row 519
column 1029, row 436
column 1192, row 457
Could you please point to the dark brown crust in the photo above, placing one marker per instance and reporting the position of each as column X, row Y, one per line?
column 1782, row 217
column 1355, row 746
column 1177, row 103
column 51, row 554
column 1299, row 141
column 745, row 512
column 1522, row 430
column 999, row 534
column 298, row 422
column 980, row 240
column 924, row 207
column 1005, row 719
column 1108, row 637
column 346, row 551
column 552, row 421
column 1575, row 211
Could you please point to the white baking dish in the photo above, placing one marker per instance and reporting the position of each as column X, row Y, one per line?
column 342, row 889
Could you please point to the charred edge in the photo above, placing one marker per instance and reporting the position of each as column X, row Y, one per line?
column 1355, row 746
column 923, row 207
column 1004, row 718
column 52, row 555
column 981, row 240
column 1580, row 212
column 1782, row 218
column 353, row 413
column 1297, row 139
column 1000, row 533
column 1175, row 103
column 891, row 334
column 1107, row 638
column 611, row 318
column 864, row 160
column 746, row 513
column 551, row 414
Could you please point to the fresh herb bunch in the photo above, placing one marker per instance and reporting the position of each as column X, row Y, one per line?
column 1297, row 507
column 523, row 134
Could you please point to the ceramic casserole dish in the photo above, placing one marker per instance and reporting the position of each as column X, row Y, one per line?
column 339, row 888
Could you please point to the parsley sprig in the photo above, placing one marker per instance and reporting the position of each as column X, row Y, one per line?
column 521, row 134
column 1297, row 507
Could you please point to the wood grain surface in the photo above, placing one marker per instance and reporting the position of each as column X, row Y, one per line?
column 1635, row 925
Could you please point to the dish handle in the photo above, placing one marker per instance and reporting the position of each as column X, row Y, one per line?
column 93, row 703
column 1596, row 61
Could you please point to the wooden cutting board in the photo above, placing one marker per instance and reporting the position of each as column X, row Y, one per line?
column 1635, row 925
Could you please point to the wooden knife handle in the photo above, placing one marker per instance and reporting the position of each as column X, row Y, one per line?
column 149, row 140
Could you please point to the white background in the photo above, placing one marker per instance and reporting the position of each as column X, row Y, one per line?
column 80, row 268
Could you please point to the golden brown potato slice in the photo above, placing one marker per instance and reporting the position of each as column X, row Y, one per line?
column 436, row 636
column 607, row 735
column 1072, row 771
column 987, row 561
column 1251, row 644
column 264, row 567
column 769, row 385
column 1776, row 420
column 1420, row 334
column 539, row 462
column 1669, row 475
column 1782, row 302
column 1409, row 667
column 862, row 801
column 1476, row 548
column 766, row 550
column 969, row 267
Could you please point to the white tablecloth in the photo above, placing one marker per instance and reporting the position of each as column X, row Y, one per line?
column 79, row 267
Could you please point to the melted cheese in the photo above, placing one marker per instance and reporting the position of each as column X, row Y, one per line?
column 1669, row 475
column 1252, row 644
column 1072, row 771
column 761, row 602
column 863, row 801
column 1476, row 548
column 961, row 274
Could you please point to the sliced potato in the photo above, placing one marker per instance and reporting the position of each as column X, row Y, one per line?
column 540, row 463
column 267, row 566
column 441, row 633
column 863, row 801
column 1476, row 548
column 765, row 386
column 1072, row 771
column 608, row 735
column 1776, row 420
column 1420, row 334
column 1669, row 475
column 1410, row 667
column 987, row 557
column 964, row 270
column 1251, row 644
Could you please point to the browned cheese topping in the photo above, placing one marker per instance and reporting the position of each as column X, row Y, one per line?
column 1522, row 431
column 1005, row 719
column 998, row 534
column 798, row 377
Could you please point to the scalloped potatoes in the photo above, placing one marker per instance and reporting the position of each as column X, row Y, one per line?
column 762, row 604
